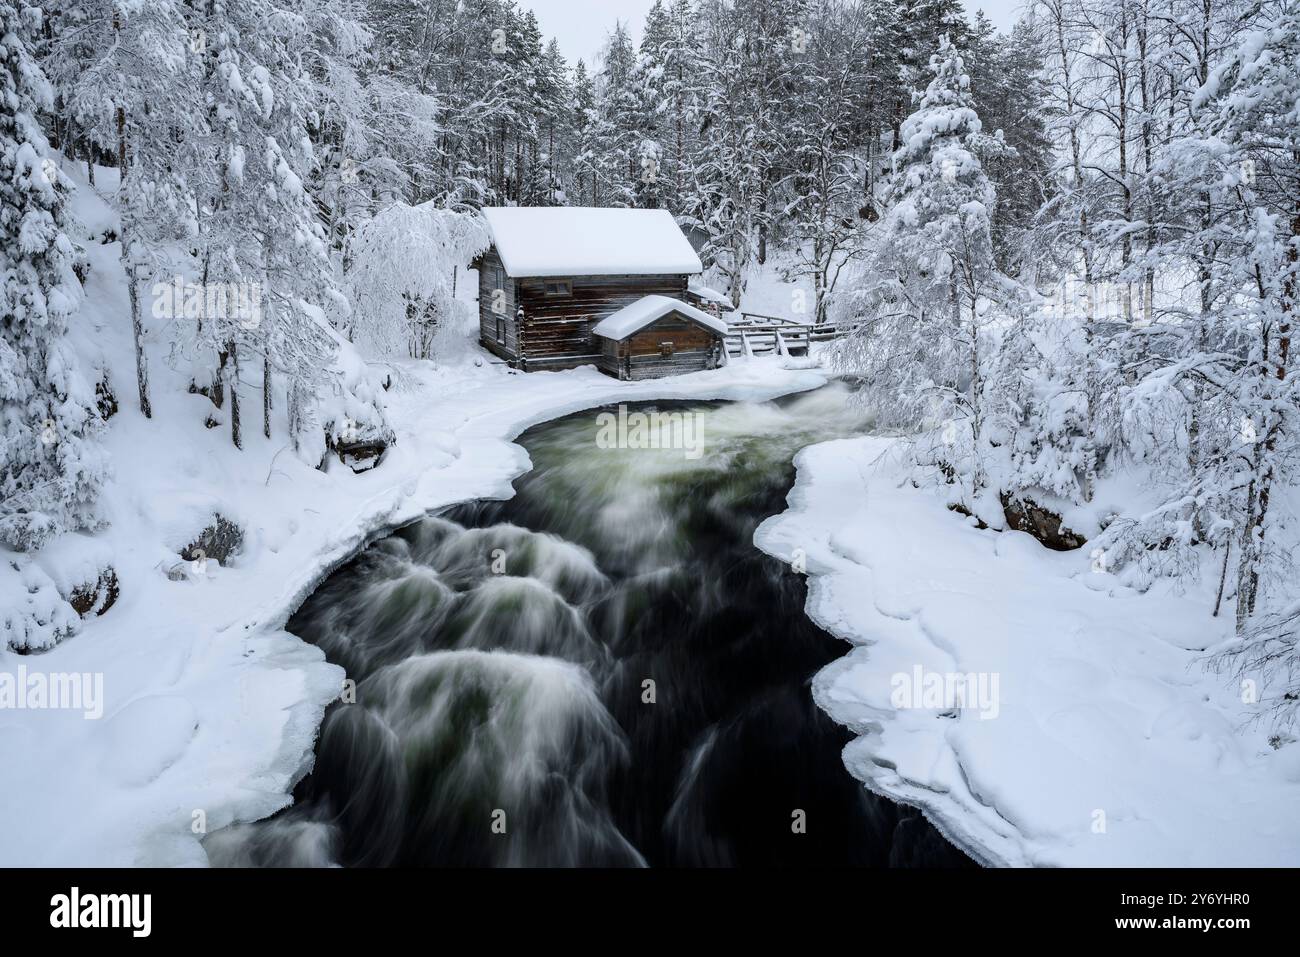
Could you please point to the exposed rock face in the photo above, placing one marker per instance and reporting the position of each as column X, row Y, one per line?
column 96, row 597
column 218, row 541
column 80, row 263
column 963, row 510
column 361, row 456
column 1025, row 515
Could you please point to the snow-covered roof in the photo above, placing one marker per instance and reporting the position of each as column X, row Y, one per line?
column 584, row 241
column 638, row 315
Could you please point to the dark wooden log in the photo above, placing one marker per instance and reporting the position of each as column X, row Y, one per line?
column 498, row 314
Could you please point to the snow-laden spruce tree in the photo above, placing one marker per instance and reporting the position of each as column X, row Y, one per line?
column 582, row 112
column 261, row 233
column 544, row 185
column 669, row 71
column 1036, row 419
column 929, row 281
column 620, row 111
column 51, row 468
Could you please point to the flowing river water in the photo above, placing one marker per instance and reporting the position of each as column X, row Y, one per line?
column 602, row 670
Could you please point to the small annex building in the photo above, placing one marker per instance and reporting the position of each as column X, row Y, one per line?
column 658, row 336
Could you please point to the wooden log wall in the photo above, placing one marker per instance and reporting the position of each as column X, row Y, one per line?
column 559, row 327
column 491, row 277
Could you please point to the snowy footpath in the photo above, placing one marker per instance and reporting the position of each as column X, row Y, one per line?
column 1088, row 734
column 211, row 709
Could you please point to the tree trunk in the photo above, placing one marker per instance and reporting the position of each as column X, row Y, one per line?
column 1261, row 487
column 217, row 392
column 236, row 435
column 1247, row 567
column 1205, row 300
column 266, row 395
column 137, row 333
column 976, row 396
column 295, row 413
column 1223, row 578
column 121, row 115
column 121, row 143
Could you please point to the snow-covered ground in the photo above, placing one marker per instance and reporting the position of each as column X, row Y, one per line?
column 210, row 709
column 209, row 705
column 775, row 290
column 1091, row 735
column 1110, row 745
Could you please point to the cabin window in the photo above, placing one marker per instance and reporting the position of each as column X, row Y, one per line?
column 501, row 331
column 559, row 287
column 497, row 290
column 665, row 348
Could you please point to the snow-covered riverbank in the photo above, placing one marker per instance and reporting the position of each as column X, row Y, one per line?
column 1107, row 743
column 210, row 708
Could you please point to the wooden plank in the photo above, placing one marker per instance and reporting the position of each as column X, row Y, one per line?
column 654, row 367
column 781, row 320
column 563, row 324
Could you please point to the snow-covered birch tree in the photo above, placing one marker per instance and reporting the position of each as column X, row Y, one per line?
column 1256, row 96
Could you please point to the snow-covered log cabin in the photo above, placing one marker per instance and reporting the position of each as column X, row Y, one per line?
column 552, row 274
column 658, row 336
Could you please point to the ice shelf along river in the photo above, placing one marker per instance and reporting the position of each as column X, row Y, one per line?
column 602, row 670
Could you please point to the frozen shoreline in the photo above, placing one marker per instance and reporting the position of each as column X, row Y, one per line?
column 1112, row 745
column 210, row 706
column 1110, row 707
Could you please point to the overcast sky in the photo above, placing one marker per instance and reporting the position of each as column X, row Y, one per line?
column 582, row 25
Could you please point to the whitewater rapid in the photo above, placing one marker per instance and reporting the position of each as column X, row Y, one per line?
column 600, row 671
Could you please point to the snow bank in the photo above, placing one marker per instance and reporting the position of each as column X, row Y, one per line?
column 638, row 315
column 211, row 709
column 578, row 241
column 1105, row 742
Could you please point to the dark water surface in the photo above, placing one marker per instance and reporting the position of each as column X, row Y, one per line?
column 602, row 671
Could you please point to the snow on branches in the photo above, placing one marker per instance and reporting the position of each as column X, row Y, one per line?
column 51, row 467
column 400, row 276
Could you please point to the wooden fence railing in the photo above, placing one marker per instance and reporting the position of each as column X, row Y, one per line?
column 754, row 333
